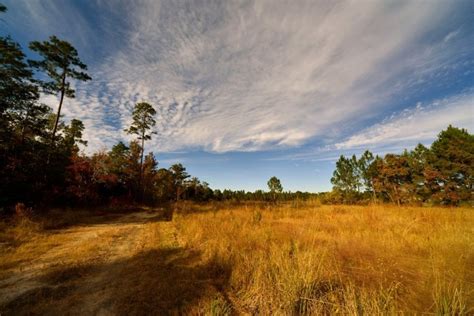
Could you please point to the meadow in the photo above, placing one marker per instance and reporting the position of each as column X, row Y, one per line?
column 239, row 259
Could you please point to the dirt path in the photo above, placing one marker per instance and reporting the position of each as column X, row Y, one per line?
column 94, row 269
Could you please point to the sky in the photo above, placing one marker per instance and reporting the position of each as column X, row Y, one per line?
column 246, row 90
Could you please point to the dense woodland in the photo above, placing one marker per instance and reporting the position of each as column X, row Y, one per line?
column 42, row 165
column 442, row 174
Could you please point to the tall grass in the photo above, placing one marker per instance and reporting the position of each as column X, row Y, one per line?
column 270, row 259
column 313, row 259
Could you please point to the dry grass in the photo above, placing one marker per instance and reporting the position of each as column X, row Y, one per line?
column 222, row 259
column 126, row 264
column 339, row 259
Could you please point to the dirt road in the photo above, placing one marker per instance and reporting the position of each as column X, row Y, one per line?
column 122, row 264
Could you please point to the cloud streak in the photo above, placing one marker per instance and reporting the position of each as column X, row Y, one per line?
column 419, row 124
column 249, row 76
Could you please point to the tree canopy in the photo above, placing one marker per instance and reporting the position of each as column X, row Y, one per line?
column 33, row 171
column 441, row 174
column 60, row 62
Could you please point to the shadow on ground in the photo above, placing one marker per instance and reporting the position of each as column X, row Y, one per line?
column 130, row 216
column 158, row 282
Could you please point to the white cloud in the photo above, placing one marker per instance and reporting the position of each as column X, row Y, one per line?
column 245, row 76
column 450, row 36
column 414, row 125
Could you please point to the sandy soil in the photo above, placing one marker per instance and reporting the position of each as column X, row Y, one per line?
column 93, row 269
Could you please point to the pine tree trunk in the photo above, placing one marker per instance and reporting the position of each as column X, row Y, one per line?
column 141, row 156
column 141, row 186
column 63, row 88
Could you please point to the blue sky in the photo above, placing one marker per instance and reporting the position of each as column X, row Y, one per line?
column 246, row 90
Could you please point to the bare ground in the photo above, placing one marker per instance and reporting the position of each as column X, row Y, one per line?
column 128, row 264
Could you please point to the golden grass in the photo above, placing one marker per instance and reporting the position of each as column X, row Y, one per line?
column 339, row 259
column 224, row 259
column 125, row 264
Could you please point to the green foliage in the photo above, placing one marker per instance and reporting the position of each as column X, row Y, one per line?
column 351, row 175
column 274, row 185
column 178, row 176
column 22, row 122
column 365, row 170
column 345, row 177
column 143, row 120
column 196, row 190
column 18, row 93
column 73, row 134
column 59, row 62
column 453, row 160
column 441, row 174
column 394, row 178
column 34, row 172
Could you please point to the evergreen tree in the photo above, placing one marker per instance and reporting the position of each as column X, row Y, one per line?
column 453, row 161
column 346, row 178
column 134, row 170
column 149, row 178
column 365, row 172
column 118, row 164
column 18, row 93
column 60, row 62
column 143, row 121
column 165, row 187
column 418, row 160
column 275, row 187
column 73, row 135
column 179, row 175
column 394, row 178
column 21, row 121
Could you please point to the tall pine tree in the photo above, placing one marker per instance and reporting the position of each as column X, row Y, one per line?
column 60, row 62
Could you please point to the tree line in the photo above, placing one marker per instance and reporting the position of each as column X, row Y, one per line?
column 441, row 174
column 40, row 159
column 41, row 163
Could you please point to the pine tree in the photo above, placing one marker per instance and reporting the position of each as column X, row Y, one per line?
column 453, row 160
column 60, row 62
column 18, row 93
column 275, row 187
column 179, row 175
column 346, row 178
column 143, row 121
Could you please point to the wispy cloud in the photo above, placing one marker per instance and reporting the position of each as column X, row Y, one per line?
column 401, row 130
column 246, row 76
column 419, row 124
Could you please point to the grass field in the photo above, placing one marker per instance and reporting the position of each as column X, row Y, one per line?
column 220, row 259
